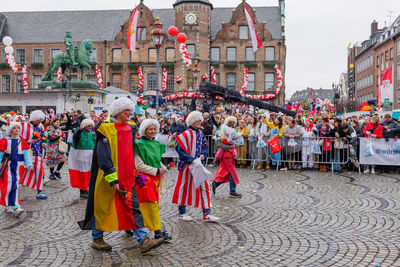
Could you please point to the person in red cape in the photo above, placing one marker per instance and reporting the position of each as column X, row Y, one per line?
column 226, row 170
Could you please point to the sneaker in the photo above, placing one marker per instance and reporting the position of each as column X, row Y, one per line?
column 41, row 196
column 366, row 171
column 235, row 195
column 100, row 244
column 9, row 210
column 84, row 194
column 129, row 232
column 267, row 167
column 148, row 244
column 259, row 167
column 18, row 212
column 210, row 218
column 46, row 181
column 52, row 177
column 184, row 217
column 164, row 235
column 373, row 170
column 213, row 187
column 57, row 174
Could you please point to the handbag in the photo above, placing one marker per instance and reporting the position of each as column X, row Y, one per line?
column 274, row 144
column 339, row 143
column 6, row 159
column 62, row 147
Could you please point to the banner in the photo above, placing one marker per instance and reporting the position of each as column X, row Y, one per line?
column 253, row 33
column 132, row 30
column 386, row 86
column 378, row 152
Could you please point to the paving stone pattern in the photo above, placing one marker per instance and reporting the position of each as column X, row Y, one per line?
column 283, row 219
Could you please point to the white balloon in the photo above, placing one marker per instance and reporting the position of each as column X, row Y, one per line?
column 7, row 40
column 9, row 49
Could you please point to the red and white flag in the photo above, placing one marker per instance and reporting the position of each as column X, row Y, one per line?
column 132, row 30
column 253, row 33
column 386, row 86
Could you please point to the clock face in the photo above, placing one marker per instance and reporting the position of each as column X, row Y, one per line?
column 190, row 18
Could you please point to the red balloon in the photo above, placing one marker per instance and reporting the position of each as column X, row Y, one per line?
column 181, row 38
column 173, row 31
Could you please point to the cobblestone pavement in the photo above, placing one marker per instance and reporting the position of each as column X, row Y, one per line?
column 283, row 219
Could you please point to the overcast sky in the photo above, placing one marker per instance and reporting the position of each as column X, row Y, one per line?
column 317, row 31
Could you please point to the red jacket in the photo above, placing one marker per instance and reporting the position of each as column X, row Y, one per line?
column 378, row 129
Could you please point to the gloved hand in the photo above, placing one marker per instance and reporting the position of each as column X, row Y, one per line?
column 140, row 180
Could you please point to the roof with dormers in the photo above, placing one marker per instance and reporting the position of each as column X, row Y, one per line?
column 100, row 25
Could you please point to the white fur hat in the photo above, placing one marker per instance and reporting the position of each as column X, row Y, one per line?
column 37, row 115
column 193, row 117
column 11, row 126
column 230, row 119
column 146, row 124
column 121, row 104
column 87, row 122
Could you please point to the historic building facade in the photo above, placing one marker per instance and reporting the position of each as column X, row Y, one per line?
column 216, row 37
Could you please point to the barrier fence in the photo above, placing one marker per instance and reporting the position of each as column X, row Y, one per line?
column 310, row 152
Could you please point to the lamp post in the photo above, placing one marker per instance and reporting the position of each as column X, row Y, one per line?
column 157, row 35
column 195, row 72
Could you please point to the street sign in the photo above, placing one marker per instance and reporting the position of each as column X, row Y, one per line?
column 386, row 102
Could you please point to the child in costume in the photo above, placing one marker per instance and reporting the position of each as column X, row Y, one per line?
column 16, row 149
column 226, row 154
column 148, row 152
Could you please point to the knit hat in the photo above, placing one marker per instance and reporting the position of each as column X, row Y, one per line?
column 121, row 104
column 87, row 122
column 146, row 124
column 11, row 126
column 37, row 115
column 193, row 117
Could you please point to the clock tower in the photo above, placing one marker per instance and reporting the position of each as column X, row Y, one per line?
column 194, row 19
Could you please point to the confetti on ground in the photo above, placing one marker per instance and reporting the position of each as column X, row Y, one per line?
column 298, row 183
column 239, row 247
column 226, row 208
column 217, row 206
column 254, row 191
column 219, row 212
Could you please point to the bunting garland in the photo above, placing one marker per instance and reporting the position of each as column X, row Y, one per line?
column 213, row 75
column 185, row 56
column 245, row 81
column 205, row 76
column 186, row 95
column 164, row 80
column 99, row 77
column 141, row 80
column 11, row 62
column 141, row 101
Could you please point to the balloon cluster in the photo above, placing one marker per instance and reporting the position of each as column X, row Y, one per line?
column 213, row 75
column 181, row 39
column 59, row 74
column 164, row 80
column 99, row 77
column 141, row 78
column 9, row 50
column 179, row 79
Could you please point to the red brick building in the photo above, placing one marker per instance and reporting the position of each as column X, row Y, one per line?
column 215, row 36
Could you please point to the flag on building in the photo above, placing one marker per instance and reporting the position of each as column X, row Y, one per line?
column 385, row 92
column 253, row 33
column 132, row 30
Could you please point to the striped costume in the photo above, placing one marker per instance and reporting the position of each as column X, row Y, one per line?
column 34, row 178
column 10, row 180
column 190, row 145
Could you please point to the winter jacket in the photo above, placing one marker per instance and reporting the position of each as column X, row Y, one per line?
column 377, row 130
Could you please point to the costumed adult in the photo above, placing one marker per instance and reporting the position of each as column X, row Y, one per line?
column 148, row 152
column 16, row 150
column 112, row 201
column 80, row 157
column 191, row 146
column 54, row 157
column 226, row 171
column 35, row 178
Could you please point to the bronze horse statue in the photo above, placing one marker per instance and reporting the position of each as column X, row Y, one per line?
column 63, row 60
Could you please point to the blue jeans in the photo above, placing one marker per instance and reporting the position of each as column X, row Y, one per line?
column 182, row 210
column 232, row 185
column 139, row 233
column 336, row 167
column 276, row 157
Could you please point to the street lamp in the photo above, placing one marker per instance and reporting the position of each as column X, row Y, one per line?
column 157, row 35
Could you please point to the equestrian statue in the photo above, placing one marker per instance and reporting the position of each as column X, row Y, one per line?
column 73, row 57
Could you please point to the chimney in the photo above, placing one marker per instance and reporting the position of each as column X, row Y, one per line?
column 374, row 27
